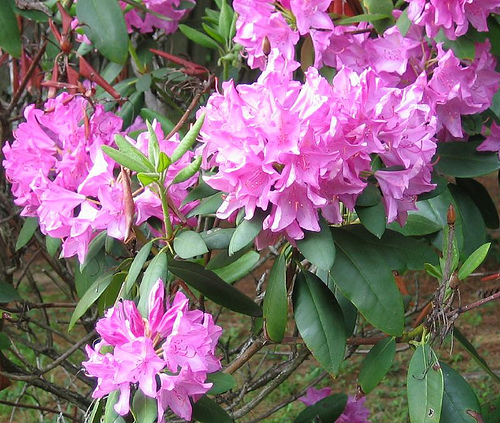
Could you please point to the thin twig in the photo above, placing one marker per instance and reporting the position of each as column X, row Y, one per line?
column 41, row 408
column 245, row 356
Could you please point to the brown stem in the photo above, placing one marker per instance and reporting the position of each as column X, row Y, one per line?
column 41, row 408
column 478, row 303
column 245, row 356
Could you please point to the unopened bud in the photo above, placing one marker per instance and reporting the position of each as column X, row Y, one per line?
column 454, row 281
column 451, row 216
column 266, row 46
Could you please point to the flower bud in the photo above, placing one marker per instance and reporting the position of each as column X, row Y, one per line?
column 266, row 46
column 451, row 216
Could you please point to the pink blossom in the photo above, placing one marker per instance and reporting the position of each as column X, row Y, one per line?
column 355, row 411
column 492, row 141
column 314, row 395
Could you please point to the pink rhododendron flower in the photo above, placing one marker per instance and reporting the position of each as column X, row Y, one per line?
column 174, row 344
column 492, row 141
column 355, row 411
column 314, row 395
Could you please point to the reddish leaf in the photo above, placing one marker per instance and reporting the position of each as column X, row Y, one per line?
column 91, row 74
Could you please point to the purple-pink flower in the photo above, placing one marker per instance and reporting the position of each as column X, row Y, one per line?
column 173, row 345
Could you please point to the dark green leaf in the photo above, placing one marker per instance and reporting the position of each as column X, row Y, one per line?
column 473, row 261
column 246, row 232
column 364, row 17
column 144, row 408
column 96, row 248
column 461, row 159
column 52, row 245
column 205, row 410
column 131, row 108
column 136, row 267
column 189, row 139
column 425, row 386
column 109, row 297
column 188, row 244
column 320, row 321
column 276, row 300
column 481, row 197
column 198, row 37
column 125, row 159
column 202, row 190
column 458, row 398
column 4, row 341
column 376, row 364
column 207, row 206
column 143, row 82
column 380, row 7
column 10, row 37
column 8, row 293
column 442, row 184
column 225, row 20
column 27, row 232
column 157, row 269
column 369, row 197
column 239, row 269
column 110, row 415
column 217, row 238
column 90, row 297
column 222, row 382
column 373, row 218
column 166, row 124
column 318, row 247
column 328, row 409
column 363, row 277
column 459, row 336
column 213, row 33
column 214, row 288
column 103, row 23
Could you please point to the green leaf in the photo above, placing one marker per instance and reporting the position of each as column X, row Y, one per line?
column 328, row 409
column 222, row 382
column 189, row 139
column 217, row 238
column 207, row 206
column 52, row 245
column 189, row 171
column 153, row 148
column 148, row 178
column 214, row 288
column 364, row 17
column 110, row 415
column 246, row 232
column 8, row 293
column 318, row 247
column 369, row 197
column 462, row 160
column 188, row 244
column 434, row 271
column 144, row 408
column 10, row 37
column 157, row 269
column 478, row 193
column 361, row 274
column 125, row 159
column 225, row 20
column 458, row 398
column 373, row 218
column 202, row 190
column 459, row 336
column 276, row 300
column 131, row 108
column 320, row 321
column 90, row 297
column 109, row 297
column 143, row 82
column 380, row 7
column 206, row 410
column 136, row 267
column 213, row 33
column 166, row 124
column 27, row 232
column 473, row 261
column 96, row 247
column 4, row 341
column 239, row 269
column 103, row 23
column 198, row 37
column 403, row 23
column 441, row 185
column 376, row 364
column 425, row 386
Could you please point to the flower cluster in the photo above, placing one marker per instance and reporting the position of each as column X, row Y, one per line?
column 167, row 356
column 354, row 411
column 451, row 16
column 294, row 149
column 166, row 16
column 60, row 174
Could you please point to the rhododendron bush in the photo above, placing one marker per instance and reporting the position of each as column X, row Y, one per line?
column 211, row 185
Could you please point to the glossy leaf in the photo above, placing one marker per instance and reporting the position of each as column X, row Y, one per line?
column 217, row 238
column 188, row 140
column 380, row 7
column 214, row 288
column 459, row 336
column 363, row 277
column 8, row 293
column 318, row 247
column 425, row 386
column 166, row 124
column 478, row 193
column 207, row 206
column 328, row 409
column 4, row 341
column 225, row 19
column 157, row 269
column 239, row 269
column 246, row 232
column 103, row 23
column 458, row 398
column 222, row 382
column 276, row 300
column 128, row 160
column 202, row 190
column 110, row 415
column 473, row 261
column 188, row 244
column 131, row 108
column 376, row 364
column 144, row 408
column 108, row 298
column 461, row 159
column 320, row 321
column 198, row 37
column 27, row 232
column 373, row 218
column 90, row 297
column 206, row 410
column 10, row 37
column 369, row 197
column 96, row 247
column 52, row 245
